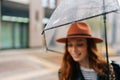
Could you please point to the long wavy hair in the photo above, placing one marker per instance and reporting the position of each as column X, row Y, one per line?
column 70, row 68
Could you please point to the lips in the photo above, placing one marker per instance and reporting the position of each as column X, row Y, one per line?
column 77, row 55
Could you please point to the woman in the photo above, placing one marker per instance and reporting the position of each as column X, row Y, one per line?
column 81, row 60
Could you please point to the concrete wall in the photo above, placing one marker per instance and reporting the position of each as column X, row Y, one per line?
column 36, row 26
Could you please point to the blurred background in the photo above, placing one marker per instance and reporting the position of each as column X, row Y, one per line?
column 23, row 55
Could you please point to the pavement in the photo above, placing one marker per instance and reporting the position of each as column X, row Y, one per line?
column 31, row 64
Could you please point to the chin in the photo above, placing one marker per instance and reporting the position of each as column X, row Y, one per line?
column 76, row 60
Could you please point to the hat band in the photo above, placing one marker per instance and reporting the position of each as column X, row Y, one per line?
column 78, row 35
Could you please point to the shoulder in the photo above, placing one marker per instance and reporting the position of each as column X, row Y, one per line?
column 116, row 67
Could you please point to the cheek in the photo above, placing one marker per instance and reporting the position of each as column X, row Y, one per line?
column 69, row 50
column 83, row 49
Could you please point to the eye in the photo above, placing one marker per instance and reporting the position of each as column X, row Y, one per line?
column 80, row 45
column 70, row 45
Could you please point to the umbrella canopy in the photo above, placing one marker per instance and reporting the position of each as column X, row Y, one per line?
column 76, row 10
column 96, row 25
column 69, row 11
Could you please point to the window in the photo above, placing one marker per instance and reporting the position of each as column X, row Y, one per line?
column 49, row 3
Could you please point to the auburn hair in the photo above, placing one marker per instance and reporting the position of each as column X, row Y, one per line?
column 69, row 68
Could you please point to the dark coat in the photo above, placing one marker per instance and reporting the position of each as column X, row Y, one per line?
column 116, row 68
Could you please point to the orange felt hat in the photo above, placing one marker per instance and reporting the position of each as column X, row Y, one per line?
column 79, row 30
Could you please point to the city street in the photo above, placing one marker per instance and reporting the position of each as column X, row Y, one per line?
column 30, row 64
column 28, row 26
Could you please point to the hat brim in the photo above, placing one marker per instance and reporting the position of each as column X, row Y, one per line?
column 64, row 39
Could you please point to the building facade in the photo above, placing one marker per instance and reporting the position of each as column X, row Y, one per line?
column 22, row 23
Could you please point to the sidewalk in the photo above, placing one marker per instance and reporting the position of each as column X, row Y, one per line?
column 29, row 64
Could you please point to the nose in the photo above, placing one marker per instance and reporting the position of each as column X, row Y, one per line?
column 74, row 49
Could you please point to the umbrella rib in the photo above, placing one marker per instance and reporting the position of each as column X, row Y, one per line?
column 78, row 20
column 53, row 51
column 45, row 43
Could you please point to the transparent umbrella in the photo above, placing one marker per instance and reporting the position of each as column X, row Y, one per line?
column 69, row 11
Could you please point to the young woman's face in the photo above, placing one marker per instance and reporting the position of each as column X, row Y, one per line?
column 77, row 49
